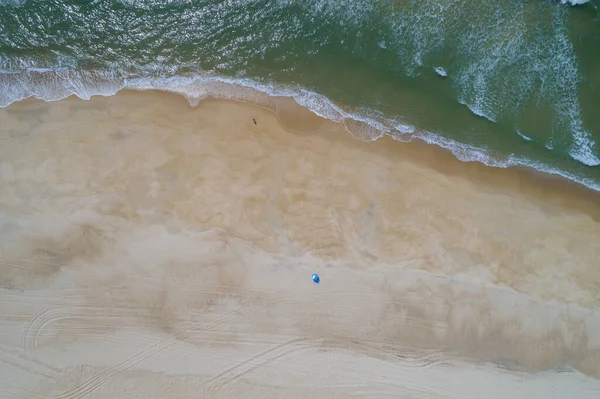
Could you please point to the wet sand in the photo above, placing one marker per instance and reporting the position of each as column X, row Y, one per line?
column 153, row 249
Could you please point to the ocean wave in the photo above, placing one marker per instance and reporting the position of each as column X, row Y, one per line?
column 488, row 91
column 574, row 2
column 469, row 153
column 440, row 71
column 14, row 3
column 365, row 125
column 477, row 109
column 524, row 136
column 55, row 84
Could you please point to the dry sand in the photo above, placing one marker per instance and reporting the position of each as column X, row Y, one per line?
column 152, row 249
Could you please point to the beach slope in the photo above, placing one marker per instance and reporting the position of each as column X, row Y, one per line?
column 153, row 249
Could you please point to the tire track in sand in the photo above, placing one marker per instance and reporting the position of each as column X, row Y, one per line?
column 259, row 360
column 41, row 321
column 95, row 382
column 36, row 325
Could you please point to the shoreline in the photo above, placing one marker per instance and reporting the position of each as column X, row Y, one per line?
column 195, row 88
column 525, row 179
column 143, row 239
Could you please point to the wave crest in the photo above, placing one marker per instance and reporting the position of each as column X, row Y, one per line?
column 574, row 2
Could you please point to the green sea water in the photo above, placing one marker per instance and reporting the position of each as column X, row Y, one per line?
column 503, row 82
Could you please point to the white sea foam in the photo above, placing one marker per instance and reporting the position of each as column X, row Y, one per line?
column 477, row 109
column 440, row 71
column 574, row 2
column 527, row 138
column 583, row 147
column 14, row 3
column 583, row 150
column 53, row 85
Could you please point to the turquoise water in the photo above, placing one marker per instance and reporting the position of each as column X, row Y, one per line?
column 503, row 82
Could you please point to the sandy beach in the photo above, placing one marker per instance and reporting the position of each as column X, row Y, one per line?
column 153, row 249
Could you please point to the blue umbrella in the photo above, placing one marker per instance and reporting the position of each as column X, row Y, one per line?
column 316, row 279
